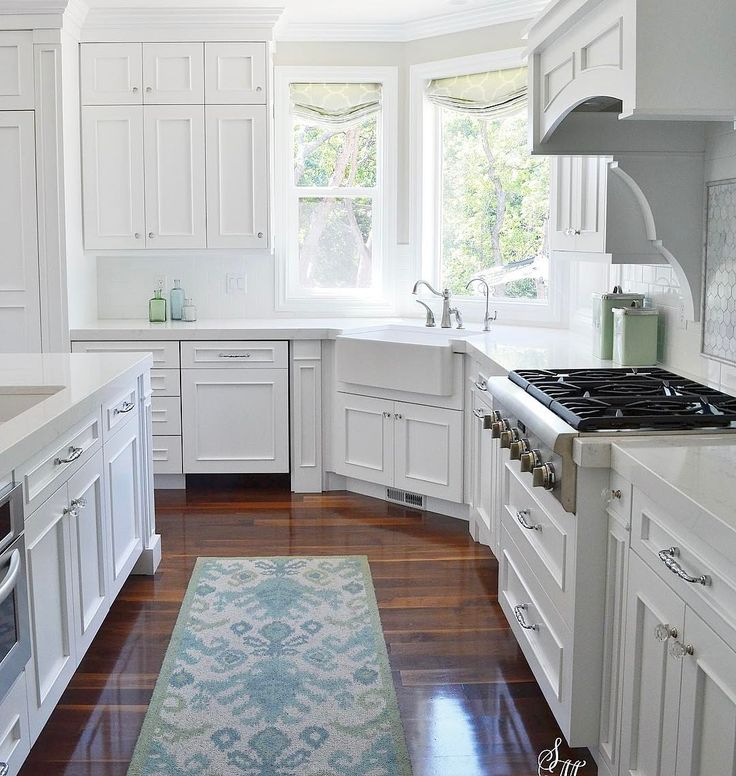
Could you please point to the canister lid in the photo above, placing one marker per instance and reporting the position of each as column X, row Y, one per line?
column 635, row 311
column 620, row 297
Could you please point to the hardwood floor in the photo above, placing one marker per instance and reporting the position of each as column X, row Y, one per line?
column 469, row 703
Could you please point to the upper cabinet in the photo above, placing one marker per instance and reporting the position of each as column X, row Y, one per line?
column 173, row 73
column 111, row 73
column 16, row 70
column 235, row 73
column 626, row 57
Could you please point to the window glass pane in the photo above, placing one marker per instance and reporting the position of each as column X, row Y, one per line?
column 335, row 156
column 335, row 243
column 495, row 207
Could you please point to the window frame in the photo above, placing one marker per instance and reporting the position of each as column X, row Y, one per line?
column 426, row 204
column 289, row 297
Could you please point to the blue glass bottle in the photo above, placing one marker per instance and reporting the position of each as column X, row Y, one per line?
column 176, row 298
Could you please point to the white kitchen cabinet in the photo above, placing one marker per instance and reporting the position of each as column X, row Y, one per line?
column 20, row 307
column 113, row 182
column 16, row 70
column 173, row 73
column 237, row 176
column 15, row 734
column 651, row 688
column 111, row 73
column 235, row 73
column 123, row 489
column 483, row 469
column 51, row 596
column 235, row 420
column 90, row 557
column 174, row 176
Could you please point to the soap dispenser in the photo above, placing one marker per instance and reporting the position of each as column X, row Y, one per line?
column 176, row 299
column 157, row 308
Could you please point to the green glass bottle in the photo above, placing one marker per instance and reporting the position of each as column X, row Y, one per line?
column 157, row 308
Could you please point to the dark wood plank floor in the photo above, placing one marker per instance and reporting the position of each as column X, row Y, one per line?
column 469, row 703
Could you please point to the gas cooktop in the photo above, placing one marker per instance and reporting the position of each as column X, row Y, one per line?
column 613, row 399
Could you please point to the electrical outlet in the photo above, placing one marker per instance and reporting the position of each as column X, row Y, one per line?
column 236, row 283
column 160, row 283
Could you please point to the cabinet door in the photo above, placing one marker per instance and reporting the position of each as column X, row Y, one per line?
column 111, row 73
column 237, row 177
column 429, row 450
column 235, row 420
column 235, row 73
column 122, row 457
column 589, row 223
column 16, row 70
column 363, row 442
column 173, row 73
column 20, row 310
column 51, row 596
column 651, row 691
column 89, row 552
column 112, row 164
column 482, row 474
column 175, row 182
column 706, row 742
column 561, row 233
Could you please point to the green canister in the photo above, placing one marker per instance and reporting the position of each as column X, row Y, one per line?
column 635, row 336
column 603, row 304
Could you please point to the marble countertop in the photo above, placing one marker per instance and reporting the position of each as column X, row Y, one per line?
column 71, row 385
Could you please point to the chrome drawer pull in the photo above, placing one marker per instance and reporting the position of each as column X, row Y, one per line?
column 521, row 516
column 668, row 558
column 234, row 355
column 481, row 384
column 4, row 769
column 519, row 610
column 74, row 453
column 479, row 414
column 127, row 406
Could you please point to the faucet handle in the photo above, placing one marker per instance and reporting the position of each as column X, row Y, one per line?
column 430, row 322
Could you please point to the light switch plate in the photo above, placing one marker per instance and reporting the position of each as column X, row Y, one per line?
column 236, row 283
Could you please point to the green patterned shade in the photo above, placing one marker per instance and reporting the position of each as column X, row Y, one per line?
column 485, row 95
column 335, row 103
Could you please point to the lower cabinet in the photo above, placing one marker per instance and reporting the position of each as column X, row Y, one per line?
column 484, row 474
column 409, row 446
column 15, row 736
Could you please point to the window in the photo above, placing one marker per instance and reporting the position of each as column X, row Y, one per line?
column 333, row 184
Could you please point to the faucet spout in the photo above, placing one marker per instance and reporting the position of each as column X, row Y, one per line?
column 445, row 294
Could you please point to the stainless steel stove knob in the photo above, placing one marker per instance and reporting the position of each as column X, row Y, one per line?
column 529, row 460
column 518, row 448
column 544, row 476
column 498, row 427
column 509, row 436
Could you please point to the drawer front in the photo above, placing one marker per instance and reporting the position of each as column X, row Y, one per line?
column 652, row 533
column 122, row 408
column 165, row 382
column 166, row 415
column 546, row 539
column 165, row 354
column 535, row 624
column 167, row 456
column 619, row 498
column 42, row 474
column 15, row 734
column 252, row 355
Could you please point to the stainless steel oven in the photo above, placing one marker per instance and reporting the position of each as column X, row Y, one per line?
column 15, row 634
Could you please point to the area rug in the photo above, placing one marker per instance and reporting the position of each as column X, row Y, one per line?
column 276, row 667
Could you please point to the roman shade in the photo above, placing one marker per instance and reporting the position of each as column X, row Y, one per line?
column 485, row 95
column 335, row 103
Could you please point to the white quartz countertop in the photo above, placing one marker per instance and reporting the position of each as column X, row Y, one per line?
column 73, row 384
column 503, row 349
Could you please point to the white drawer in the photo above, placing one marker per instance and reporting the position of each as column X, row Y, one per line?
column 542, row 636
column 258, row 355
column 15, row 735
column 42, row 474
column 123, row 407
column 545, row 537
column 166, row 416
column 165, row 354
column 167, row 455
column 165, row 382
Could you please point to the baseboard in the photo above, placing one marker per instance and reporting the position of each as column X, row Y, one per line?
column 149, row 559
column 169, row 482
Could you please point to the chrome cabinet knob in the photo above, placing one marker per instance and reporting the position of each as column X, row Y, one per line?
column 543, row 476
column 663, row 632
column 151, row 235
column 135, row 90
column 529, row 460
column 137, row 235
column 149, row 89
column 517, row 448
column 509, row 436
column 260, row 235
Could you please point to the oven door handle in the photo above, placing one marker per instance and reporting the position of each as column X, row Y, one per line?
column 6, row 588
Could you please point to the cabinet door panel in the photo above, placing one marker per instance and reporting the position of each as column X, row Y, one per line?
column 20, row 311
column 111, row 74
column 237, row 177
column 235, row 420
column 112, row 162
column 591, row 202
column 173, row 73
column 235, row 73
column 89, row 544
column 364, row 438
column 429, row 444
column 706, row 741
column 175, row 177
column 651, row 677
column 16, row 70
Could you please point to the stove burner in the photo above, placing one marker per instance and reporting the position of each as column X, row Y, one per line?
column 604, row 399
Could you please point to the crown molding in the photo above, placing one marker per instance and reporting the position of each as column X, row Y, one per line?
column 499, row 12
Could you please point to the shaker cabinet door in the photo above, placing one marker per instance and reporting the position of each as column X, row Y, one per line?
column 235, row 73
column 111, row 74
column 173, row 74
column 16, row 70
